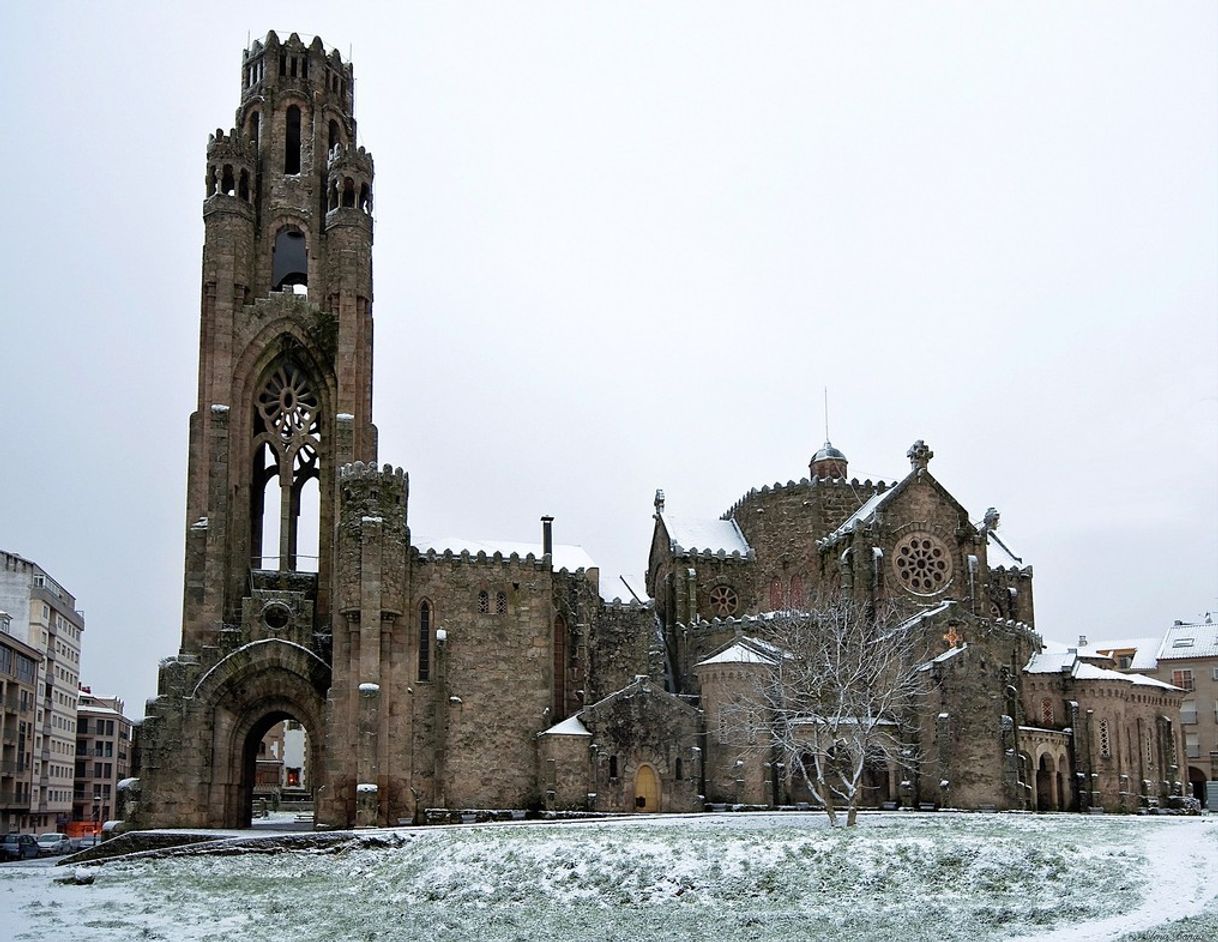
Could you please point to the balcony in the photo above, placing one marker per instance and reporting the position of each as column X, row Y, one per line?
column 9, row 798
column 12, row 767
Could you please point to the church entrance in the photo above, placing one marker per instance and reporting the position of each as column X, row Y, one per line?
column 646, row 789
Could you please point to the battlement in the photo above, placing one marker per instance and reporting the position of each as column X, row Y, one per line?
column 626, row 605
column 232, row 146
column 342, row 158
column 494, row 560
column 230, row 166
column 293, row 63
column 807, row 486
column 368, row 494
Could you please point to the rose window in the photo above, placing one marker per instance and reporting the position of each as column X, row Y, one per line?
column 723, row 600
column 922, row 563
column 287, row 404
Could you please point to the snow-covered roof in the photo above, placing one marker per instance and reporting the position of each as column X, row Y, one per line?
column 739, row 654
column 1069, row 660
column 924, row 614
column 571, row 726
column 1050, row 661
column 1145, row 650
column 863, row 515
column 944, row 657
column 1000, row 556
column 564, row 556
column 612, row 588
column 708, row 535
column 1185, row 642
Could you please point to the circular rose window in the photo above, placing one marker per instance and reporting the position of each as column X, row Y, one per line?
column 276, row 616
column 723, row 600
column 922, row 563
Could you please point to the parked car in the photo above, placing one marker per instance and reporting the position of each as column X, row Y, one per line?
column 18, row 847
column 53, row 844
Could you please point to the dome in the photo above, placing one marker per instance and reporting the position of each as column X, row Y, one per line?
column 828, row 453
column 827, row 463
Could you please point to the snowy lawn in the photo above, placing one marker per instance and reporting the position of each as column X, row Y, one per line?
column 744, row 876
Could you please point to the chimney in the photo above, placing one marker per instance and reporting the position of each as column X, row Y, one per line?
column 1082, row 641
column 547, row 536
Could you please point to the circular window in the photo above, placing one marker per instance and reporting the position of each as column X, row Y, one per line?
column 922, row 563
column 723, row 600
column 276, row 616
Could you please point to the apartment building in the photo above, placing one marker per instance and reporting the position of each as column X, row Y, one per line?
column 103, row 757
column 44, row 616
column 18, row 673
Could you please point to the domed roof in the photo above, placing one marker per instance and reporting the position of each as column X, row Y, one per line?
column 828, row 453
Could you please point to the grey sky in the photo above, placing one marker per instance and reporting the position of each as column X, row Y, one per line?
column 624, row 246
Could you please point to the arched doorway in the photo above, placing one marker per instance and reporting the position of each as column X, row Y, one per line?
column 1046, row 784
column 277, row 756
column 246, row 694
column 646, row 789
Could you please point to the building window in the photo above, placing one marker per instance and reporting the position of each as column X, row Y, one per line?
column 797, row 592
column 500, row 603
column 1188, row 712
column 775, row 595
column 1183, row 679
column 680, row 770
column 922, row 563
column 723, row 601
column 560, row 668
column 484, row 602
column 1192, row 745
column 1105, row 741
column 291, row 144
column 425, row 641
column 1046, row 711
column 613, row 766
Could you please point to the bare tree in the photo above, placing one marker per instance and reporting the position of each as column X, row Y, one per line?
column 841, row 697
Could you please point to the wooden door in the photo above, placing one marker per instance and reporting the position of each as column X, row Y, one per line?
column 646, row 789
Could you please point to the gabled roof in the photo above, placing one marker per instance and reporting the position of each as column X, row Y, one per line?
column 746, row 650
column 704, row 535
column 1185, row 642
column 863, row 515
column 1145, row 650
column 564, row 556
column 571, row 726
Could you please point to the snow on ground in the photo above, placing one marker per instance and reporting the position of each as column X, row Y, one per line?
column 737, row 876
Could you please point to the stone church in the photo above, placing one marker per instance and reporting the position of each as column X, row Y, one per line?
column 490, row 676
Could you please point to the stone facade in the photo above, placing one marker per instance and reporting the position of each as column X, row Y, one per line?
column 488, row 676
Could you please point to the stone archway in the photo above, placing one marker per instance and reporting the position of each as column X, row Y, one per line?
column 240, row 699
column 1046, row 783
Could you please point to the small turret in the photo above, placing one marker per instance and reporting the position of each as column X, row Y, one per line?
column 828, row 462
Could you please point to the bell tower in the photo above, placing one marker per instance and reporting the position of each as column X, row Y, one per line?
column 285, row 341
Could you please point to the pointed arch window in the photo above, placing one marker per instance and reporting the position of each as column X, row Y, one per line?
column 775, row 595
column 291, row 140
column 287, row 442
column 425, row 618
column 484, row 602
column 796, row 597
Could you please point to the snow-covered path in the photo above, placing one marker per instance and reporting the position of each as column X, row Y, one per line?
column 1183, row 857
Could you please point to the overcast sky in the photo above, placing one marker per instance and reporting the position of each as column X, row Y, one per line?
column 622, row 246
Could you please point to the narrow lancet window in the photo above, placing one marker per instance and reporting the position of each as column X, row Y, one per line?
column 291, row 141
